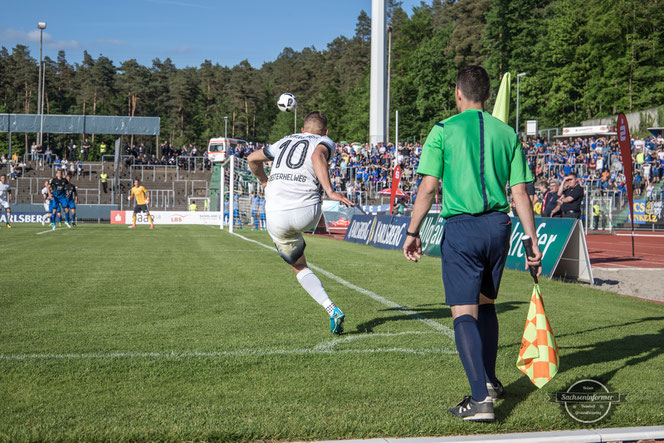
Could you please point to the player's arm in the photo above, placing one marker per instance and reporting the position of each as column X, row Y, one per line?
column 524, row 209
column 321, row 168
column 75, row 192
column 256, row 160
column 412, row 247
column 131, row 194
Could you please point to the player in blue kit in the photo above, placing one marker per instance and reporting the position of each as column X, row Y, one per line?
column 58, row 196
column 255, row 218
column 72, row 200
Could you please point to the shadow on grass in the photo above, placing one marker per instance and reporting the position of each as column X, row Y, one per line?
column 427, row 311
column 635, row 349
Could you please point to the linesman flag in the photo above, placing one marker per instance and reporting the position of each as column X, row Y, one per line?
column 538, row 355
column 501, row 109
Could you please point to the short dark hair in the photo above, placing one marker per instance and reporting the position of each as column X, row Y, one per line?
column 316, row 119
column 473, row 82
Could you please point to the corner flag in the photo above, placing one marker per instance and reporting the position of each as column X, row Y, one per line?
column 501, row 109
column 538, row 354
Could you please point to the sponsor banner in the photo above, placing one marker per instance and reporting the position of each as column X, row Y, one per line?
column 552, row 237
column 168, row 218
column 647, row 212
column 25, row 217
column 380, row 231
column 431, row 233
column 586, row 130
column 561, row 241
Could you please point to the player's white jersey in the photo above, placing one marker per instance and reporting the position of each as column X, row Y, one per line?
column 4, row 191
column 293, row 182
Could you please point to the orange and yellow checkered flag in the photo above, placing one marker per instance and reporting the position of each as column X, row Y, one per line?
column 538, row 355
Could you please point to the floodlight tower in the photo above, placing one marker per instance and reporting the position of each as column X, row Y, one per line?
column 377, row 100
column 42, row 77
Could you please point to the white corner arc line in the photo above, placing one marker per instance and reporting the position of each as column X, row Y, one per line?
column 380, row 299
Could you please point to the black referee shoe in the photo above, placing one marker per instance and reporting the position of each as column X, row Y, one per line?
column 495, row 391
column 472, row 410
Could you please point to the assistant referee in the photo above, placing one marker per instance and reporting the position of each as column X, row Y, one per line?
column 475, row 155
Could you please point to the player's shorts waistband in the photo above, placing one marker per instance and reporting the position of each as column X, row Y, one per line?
column 465, row 217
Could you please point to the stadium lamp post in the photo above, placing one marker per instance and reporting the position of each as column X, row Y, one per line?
column 225, row 127
column 387, row 95
column 40, row 93
column 518, row 76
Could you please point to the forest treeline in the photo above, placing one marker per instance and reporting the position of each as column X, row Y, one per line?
column 582, row 59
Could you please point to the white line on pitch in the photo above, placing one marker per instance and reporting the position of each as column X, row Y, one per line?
column 50, row 230
column 380, row 299
column 239, row 353
column 640, row 235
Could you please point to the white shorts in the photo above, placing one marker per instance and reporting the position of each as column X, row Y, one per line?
column 286, row 228
column 47, row 205
column 4, row 204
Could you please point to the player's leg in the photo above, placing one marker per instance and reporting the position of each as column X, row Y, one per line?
column 73, row 214
column 499, row 227
column 66, row 208
column 149, row 218
column 284, row 227
column 462, row 275
column 54, row 209
column 8, row 211
column 133, row 217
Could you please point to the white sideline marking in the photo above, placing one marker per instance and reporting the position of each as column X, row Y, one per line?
column 239, row 353
column 329, row 345
column 433, row 324
column 50, row 230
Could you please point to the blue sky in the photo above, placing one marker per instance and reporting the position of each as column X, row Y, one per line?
column 187, row 31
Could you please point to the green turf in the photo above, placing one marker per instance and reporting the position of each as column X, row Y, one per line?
column 188, row 333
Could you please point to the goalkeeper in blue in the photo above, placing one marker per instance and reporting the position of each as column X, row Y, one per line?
column 293, row 200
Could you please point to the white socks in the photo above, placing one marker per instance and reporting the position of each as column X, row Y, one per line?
column 315, row 289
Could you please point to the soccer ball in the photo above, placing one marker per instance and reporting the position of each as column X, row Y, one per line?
column 286, row 102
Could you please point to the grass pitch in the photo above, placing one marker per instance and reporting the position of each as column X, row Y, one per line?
column 189, row 333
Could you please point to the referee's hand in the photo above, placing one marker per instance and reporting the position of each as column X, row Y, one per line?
column 536, row 260
column 412, row 248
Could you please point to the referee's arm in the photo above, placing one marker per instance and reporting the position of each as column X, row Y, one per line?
column 524, row 209
column 412, row 247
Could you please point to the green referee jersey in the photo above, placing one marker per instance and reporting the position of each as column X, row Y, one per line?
column 475, row 155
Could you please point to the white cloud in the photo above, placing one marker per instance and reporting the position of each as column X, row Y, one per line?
column 18, row 36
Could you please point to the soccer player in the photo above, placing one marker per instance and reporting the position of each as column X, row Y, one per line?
column 255, row 217
column 261, row 211
column 293, row 199
column 72, row 201
column 475, row 155
column 142, row 199
column 5, row 198
column 45, row 192
column 58, row 197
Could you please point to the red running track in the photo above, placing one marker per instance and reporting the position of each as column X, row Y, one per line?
column 615, row 251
